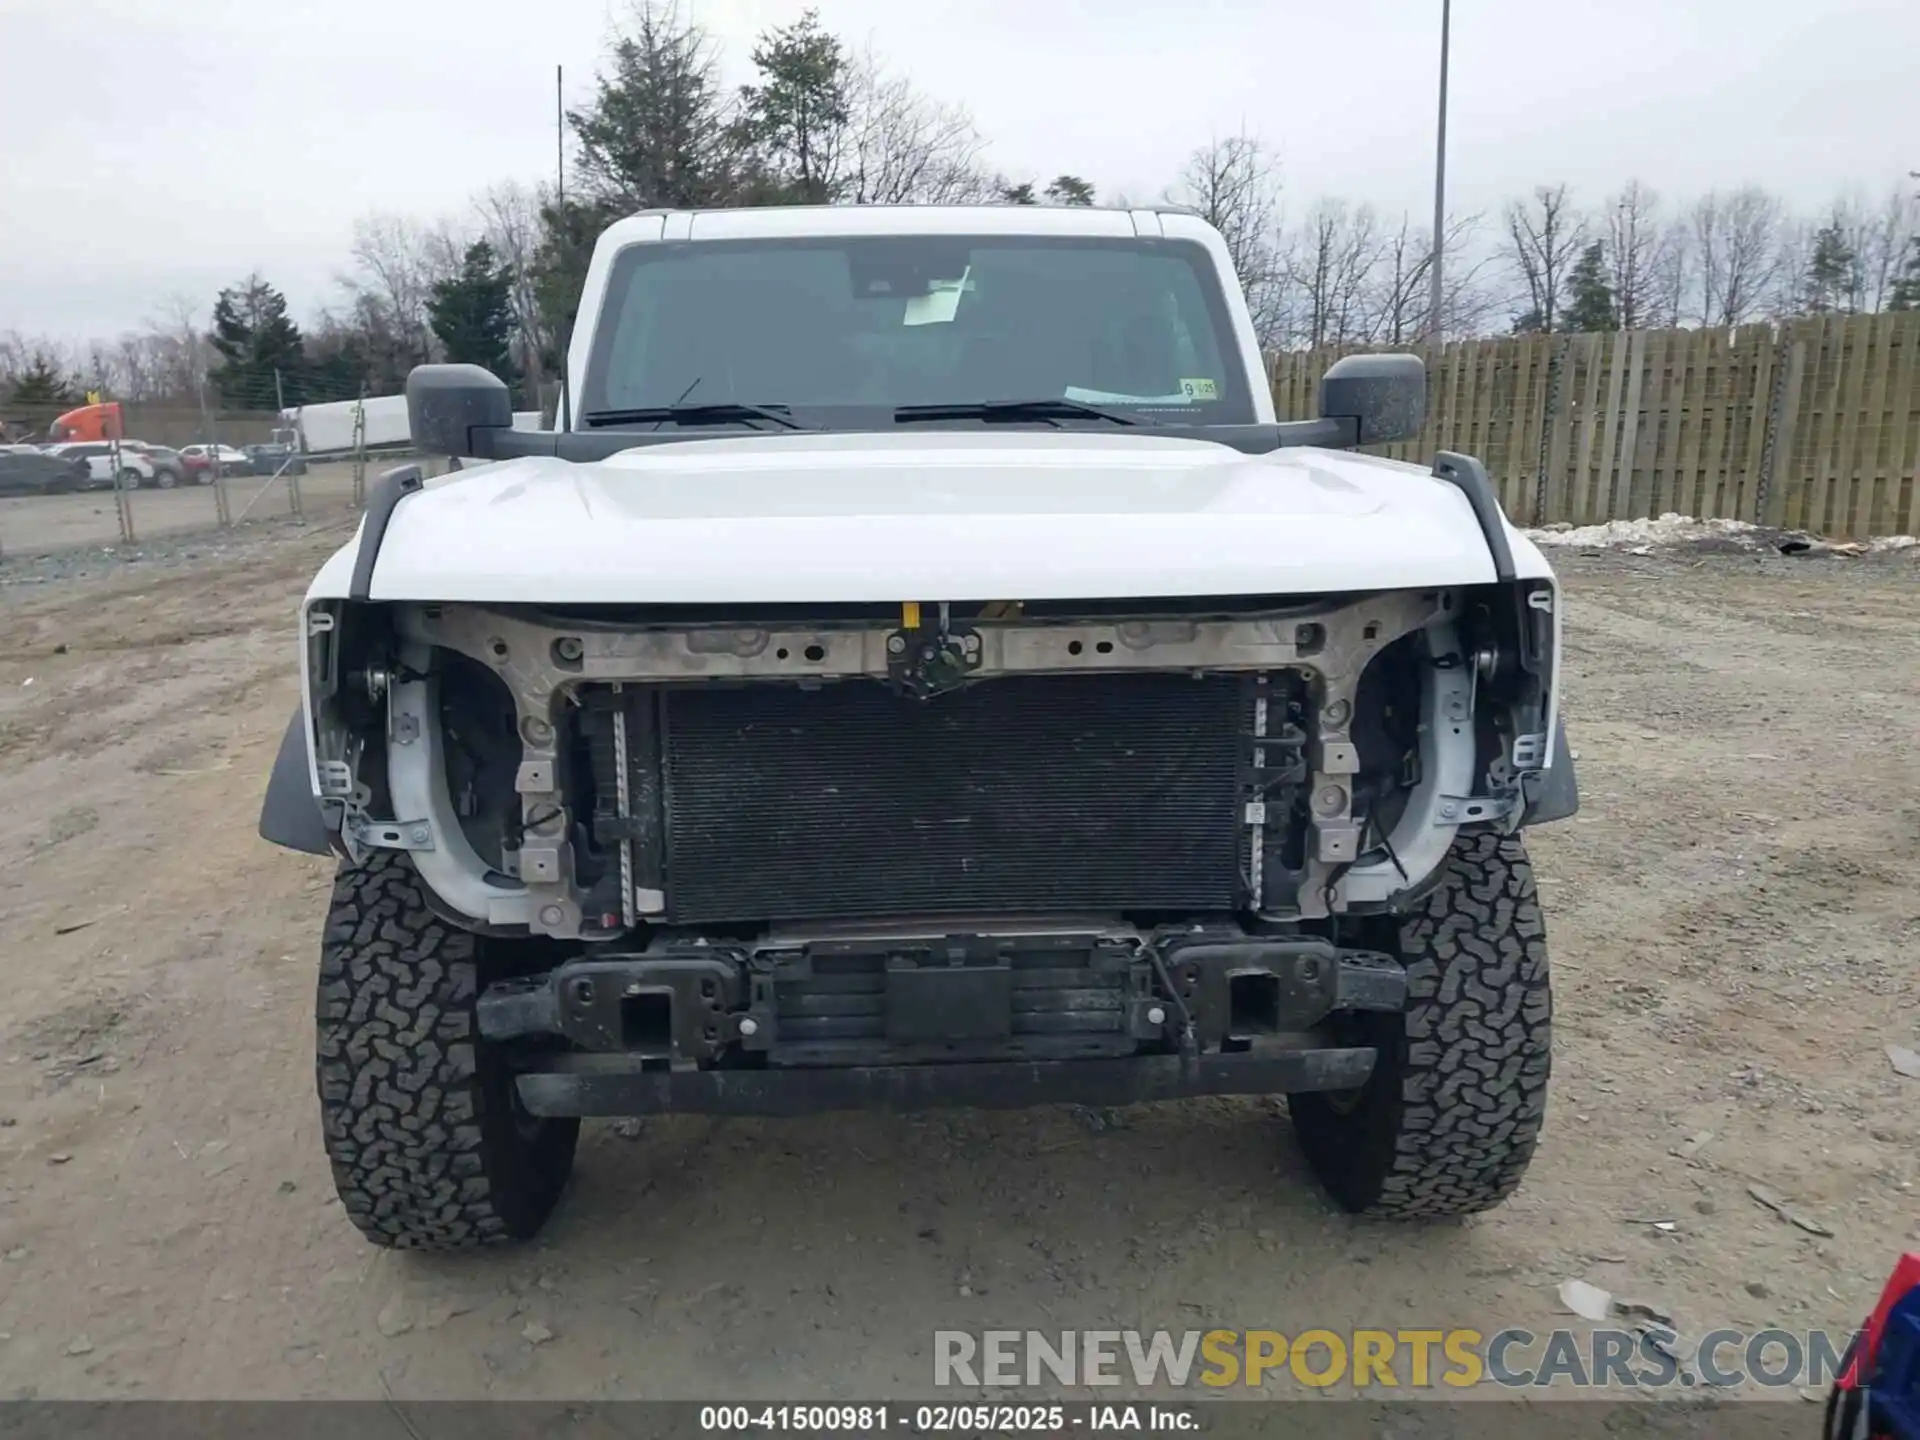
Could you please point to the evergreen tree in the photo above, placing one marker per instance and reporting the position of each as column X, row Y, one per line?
column 472, row 312
column 1832, row 272
column 341, row 370
column 794, row 122
column 257, row 340
column 567, row 235
column 43, row 382
column 1070, row 190
column 656, row 132
column 1590, row 302
column 1021, row 194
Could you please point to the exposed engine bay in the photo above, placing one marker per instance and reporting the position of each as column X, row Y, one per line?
column 596, row 773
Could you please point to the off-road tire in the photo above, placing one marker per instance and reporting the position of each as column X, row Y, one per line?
column 1448, row 1121
column 429, row 1146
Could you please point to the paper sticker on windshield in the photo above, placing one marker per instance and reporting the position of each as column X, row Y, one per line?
column 941, row 302
column 1200, row 389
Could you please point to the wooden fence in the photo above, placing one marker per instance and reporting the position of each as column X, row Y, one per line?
column 1812, row 424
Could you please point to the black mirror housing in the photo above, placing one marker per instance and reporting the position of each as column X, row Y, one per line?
column 451, row 407
column 1385, row 396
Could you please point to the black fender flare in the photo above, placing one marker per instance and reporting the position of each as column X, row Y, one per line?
column 1553, row 793
column 290, row 814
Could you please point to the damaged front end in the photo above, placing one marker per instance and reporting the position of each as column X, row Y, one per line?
column 1018, row 839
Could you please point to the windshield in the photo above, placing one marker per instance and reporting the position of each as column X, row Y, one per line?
column 848, row 331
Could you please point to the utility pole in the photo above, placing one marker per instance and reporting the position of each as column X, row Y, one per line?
column 1435, row 311
column 222, row 505
column 291, row 465
column 564, row 411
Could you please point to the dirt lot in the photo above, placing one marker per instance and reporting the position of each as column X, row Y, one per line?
column 1734, row 918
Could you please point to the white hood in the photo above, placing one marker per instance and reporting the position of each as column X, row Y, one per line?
column 931, row 515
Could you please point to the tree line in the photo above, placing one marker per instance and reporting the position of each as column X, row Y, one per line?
column 820, row 123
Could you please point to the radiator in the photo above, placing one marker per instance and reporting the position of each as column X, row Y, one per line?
column 1019, row 794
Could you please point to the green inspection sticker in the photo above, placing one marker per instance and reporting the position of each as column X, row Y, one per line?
column 1200, row 389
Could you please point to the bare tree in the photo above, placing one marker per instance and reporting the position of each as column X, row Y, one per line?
column 1672, row 277
column 171, row 358
column 1880, row 242
column 510, row 221
column 1737, row 237
column 905, row 149
column 1634, row 238
column 1545, row 235
column 102, row 369
column 1233, row 183
column 442, row 245
column 390, row 278
column 168, row 360
column 1406, row 261
column 1795, row 291
column 1400, row 304
column 396, row 261
column 1332, row 261
column 21, row 354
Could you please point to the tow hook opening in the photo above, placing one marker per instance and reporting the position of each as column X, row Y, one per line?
column 1253, row 1003
column 646, row 1021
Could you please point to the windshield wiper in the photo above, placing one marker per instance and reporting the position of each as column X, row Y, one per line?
column 1052, row 408
column 716, row 412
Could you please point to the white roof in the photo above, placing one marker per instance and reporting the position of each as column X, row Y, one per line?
column 810, row 220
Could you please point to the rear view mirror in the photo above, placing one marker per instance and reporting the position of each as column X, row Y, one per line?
column 448, row 404
column 1384, row 395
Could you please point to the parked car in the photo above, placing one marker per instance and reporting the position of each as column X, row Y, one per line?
column 201, row 461
column 135, row 468
column 272, row 459
column 25, row 470
column 169, row 466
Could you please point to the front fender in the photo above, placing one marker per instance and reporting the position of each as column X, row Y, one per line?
column 1553, row 793
column 290, row 813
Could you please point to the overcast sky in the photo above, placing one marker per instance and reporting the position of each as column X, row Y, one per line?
column 168, row 146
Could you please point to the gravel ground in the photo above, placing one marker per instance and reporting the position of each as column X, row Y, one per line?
column 1733, row 918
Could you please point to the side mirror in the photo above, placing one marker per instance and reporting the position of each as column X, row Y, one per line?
column 1384, row 395
column 448, row 404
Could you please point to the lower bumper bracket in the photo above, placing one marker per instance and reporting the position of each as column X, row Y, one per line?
column 602, row 1090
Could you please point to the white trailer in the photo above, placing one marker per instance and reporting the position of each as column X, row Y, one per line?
column 328, row 429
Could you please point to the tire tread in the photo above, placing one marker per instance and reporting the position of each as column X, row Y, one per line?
column 423, row 1154
column 1451, row 1120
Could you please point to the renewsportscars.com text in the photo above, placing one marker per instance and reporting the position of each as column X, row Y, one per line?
column 1401, row 1359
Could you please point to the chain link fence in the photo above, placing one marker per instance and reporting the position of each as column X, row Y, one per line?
column 172, row 470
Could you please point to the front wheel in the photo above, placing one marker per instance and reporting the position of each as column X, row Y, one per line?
column 129, row 479
column 1447, row 1123
column 164, row 479
column 430, row 1147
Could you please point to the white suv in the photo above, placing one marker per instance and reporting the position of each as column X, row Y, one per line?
column 135, row 469
column 971, row 694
